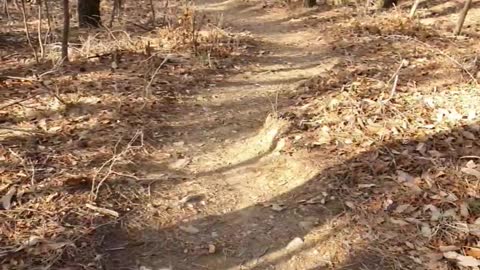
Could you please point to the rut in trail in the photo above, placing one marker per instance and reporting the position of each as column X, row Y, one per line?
column 231, row 198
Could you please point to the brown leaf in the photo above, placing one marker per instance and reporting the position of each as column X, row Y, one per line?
column 474, row 252
column 7, row 198
column 464, row 209
column 467, row 261
column 471, row 171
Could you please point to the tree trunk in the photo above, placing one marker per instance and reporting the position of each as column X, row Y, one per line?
column 414, row 8
column 309, row 3
column 461, row 19
column 66, row 30
column 89, row 13
column 387, row 3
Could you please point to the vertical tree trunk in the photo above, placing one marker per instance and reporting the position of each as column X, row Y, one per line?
column 89, row 13
column 414, row 8
column 387, row 3
column 309, row 3
column 461, row 19
column 66, row 30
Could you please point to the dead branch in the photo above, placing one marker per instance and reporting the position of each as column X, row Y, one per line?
column 102, row 210
column 19, row 101
column 111, row 163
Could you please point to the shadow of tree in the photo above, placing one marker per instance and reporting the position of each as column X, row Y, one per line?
column 257, row 237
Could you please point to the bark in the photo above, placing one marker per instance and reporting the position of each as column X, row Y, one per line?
column 66, row 30
column 309, row 3
column 89, row 13
column 461, row 19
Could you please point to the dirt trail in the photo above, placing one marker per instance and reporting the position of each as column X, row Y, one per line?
column 229, row 199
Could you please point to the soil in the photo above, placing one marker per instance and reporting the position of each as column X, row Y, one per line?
column 241, row 201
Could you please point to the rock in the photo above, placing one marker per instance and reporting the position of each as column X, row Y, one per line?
column 295, row 243
column 189, row 229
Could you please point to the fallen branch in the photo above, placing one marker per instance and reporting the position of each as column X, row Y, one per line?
column 102, row 210
column 110, row 163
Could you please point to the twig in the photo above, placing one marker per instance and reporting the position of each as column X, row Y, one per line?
column 51, row 92
column 19, row 101
column 394, row 87
column 32, row 178
column 23, row 130
column 102, row 210
column 149, row 84
column 111, row 162
column 439, row 51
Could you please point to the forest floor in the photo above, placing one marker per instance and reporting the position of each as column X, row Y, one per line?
column 324, row 138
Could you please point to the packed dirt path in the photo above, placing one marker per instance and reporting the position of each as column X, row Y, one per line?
column 225, row 195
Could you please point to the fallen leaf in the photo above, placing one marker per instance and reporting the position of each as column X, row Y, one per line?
column 464, row 209
column 474, row 252
column 401, row 208
column 469, row 135
column 180, row 163
column 7, row 198
column 471, row 164
column 451, row 255
column 467, row 261
column 436, row 214
column 404, row 177
column 471, row 171
column 426, row 231
column 398, row 221
column 350, row 205
column 211, row 248
column 178, row 144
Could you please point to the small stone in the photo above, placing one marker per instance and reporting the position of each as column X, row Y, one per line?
column 211, row 248
column 189, row 229
column 295, row 243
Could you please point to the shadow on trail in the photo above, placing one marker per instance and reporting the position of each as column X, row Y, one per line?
column 257, row 237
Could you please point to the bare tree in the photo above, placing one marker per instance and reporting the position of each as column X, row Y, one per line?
column 463, row 14
column 66, row 29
